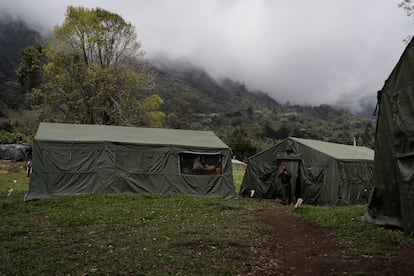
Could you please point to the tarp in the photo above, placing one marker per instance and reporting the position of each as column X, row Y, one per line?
column 392, row 202
column 71, row 159
column 323, row 173
column 15, row 152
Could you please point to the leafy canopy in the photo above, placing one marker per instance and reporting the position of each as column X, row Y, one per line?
column 95, row 73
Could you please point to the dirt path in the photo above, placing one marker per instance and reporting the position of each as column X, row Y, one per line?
column 302, row 248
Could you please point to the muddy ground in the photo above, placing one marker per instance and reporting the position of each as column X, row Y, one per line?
column 301, row 248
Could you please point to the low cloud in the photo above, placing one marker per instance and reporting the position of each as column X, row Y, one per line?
column 306, row 52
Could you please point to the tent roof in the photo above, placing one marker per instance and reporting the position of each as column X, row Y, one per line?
column 134, row 135
column 338, row 151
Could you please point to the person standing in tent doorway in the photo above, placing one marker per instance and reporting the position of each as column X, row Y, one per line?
column 285, row 177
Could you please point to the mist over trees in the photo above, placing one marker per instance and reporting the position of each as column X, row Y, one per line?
column 78, row 75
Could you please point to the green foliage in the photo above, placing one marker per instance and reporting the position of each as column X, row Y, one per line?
column 241, row 145
column 29, row 71
column 238, row 179
column 10, row 137
column 94, row 73
column 23, row 122
column 97, row 36
column 150, row 116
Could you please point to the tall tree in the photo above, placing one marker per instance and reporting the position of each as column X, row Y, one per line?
column 29, row 71
column 96, row 74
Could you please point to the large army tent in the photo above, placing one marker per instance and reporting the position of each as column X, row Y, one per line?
column 73, row 159
column 323, row 173
column 392, row 202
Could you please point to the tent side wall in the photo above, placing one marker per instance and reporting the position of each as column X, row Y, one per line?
column 403, row 142
column 355, row 184
column 384, row 206
column 323, row 180
column 61, row 169
column 319, row 183
column 258, row 175
column 261, row 173
column 392, row 201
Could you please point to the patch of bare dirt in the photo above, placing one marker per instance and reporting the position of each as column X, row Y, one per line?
column 301, row 248
column 9, row 166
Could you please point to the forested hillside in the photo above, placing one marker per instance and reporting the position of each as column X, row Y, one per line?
column 249, row 121
column 195, row 100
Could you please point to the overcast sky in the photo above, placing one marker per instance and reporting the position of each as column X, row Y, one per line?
column 305, row 52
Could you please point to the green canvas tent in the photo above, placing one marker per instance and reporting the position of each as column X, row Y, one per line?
column 392, row 201
column 323, row 173
column 73, row 159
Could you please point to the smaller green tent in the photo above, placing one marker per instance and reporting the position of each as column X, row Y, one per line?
column 73, row 159
column 323, row 173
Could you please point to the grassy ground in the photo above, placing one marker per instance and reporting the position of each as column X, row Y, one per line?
column 127, row 234
column 347, row 224
column 238, row 178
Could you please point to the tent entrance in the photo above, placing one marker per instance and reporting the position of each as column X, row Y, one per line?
column 293, row 166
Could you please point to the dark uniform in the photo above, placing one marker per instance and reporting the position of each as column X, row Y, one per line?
column 285, row 177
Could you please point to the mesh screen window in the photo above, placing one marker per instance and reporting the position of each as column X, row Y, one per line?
column 201, row 164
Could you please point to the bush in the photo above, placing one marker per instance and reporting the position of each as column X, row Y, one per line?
column 11, row 137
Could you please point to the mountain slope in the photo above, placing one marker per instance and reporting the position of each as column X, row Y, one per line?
column 195, row 100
